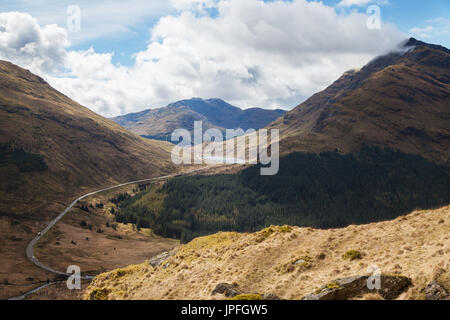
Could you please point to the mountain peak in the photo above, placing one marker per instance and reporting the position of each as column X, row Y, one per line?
column 214, row 112
column 383, row 104
column 413, row 42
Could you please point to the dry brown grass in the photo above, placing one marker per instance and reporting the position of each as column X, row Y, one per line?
column 413, row 245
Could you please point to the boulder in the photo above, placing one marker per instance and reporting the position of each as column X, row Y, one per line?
column 347, row 288
column 156, row 261
column 270, row 296
column 231, row 291
column 434, row 291
column 226, row 289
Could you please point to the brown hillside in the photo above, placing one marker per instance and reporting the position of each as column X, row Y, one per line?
column 400, row 100
column 291, row 262
column 80, row 148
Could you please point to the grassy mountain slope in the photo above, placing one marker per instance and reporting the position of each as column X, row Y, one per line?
column 400, row 100
column 215, row 113
column 416, row 245
column 52, row 147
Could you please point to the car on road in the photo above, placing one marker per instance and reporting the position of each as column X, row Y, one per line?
column 39, row 234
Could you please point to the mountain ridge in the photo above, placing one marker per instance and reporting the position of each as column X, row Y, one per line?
column 399, row 100
column 80, row 149
column 214, row 113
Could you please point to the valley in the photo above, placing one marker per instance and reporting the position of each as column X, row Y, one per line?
column 363, row 181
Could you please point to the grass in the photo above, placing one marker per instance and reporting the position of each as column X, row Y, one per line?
column 266, row 233
column 352, row 255
column 100, row 294
column 196, row 269
column 333, row 285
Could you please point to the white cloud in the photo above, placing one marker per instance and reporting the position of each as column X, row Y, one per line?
column 436, row 28
column 253, row 53
column 23, row 41
column 421, row 32
column 99, row 19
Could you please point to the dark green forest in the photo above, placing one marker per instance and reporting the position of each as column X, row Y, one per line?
column 322, row 191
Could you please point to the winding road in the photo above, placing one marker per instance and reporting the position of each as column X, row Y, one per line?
column 32, row 244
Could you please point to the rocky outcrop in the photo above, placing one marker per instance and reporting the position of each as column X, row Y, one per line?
column 435, row 291
column 156, row 261
column 391, row 286
column 228, row 290
column 231, row 291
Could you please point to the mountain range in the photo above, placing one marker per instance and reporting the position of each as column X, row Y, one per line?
column 214, row 113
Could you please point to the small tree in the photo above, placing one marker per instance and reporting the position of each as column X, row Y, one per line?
column 139, row 224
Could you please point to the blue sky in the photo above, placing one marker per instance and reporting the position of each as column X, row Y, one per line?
column 138, row 54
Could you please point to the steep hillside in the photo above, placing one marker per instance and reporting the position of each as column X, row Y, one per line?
column 215, row 113
column 292, row 262
column 53, row 148
column 400, row 100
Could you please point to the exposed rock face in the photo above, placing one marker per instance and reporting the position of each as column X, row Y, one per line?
column 439, row 287
column 226, row 289
column 231, row 291
column 156, row 261
column 434, row 291
column 270, row 296
column 347, row 288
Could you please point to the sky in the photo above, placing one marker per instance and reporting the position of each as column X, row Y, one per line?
column 117, row 57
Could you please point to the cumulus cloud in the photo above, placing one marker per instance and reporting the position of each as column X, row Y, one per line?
column 23, row 41
column 249, row 52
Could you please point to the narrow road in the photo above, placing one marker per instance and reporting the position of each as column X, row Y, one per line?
column 32, row 244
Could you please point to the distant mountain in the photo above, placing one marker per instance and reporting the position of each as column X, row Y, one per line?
column 399, row 100
column 215, row 113
column 52, row 148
